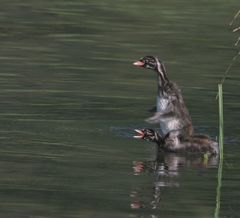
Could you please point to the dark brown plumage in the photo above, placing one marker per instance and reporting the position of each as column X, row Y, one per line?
column 176, row 130
column 171, row 111
column 194, row 144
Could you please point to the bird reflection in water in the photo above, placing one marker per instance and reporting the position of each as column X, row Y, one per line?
column 165, row 170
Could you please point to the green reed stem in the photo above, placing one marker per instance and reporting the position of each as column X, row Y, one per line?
column 220, row 166
column 220, row 100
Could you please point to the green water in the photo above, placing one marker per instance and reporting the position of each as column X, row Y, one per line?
column 70, row 99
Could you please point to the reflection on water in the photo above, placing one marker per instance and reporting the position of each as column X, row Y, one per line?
column 166, row 171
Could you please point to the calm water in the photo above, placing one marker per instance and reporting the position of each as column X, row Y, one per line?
column 70, row 99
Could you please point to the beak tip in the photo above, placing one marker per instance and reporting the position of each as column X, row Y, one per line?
column 137, row 137
column 138, row 63
column 140, row 134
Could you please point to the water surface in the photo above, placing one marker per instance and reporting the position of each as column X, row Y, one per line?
column 70, row 99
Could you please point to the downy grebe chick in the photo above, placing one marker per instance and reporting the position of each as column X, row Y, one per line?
column 193, row 144
column 171, row 113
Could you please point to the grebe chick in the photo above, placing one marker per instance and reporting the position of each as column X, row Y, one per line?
column 171, row 111
column 193, row 144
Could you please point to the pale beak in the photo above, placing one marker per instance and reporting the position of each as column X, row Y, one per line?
column 138, row 63
column 140, row 134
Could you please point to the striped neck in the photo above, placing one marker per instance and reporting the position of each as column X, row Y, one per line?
column 161, row 70
column 162, row 78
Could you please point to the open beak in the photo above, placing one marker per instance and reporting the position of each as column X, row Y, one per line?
column 139, row 63
column 140, row 134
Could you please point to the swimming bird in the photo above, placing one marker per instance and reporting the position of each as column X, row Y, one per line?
column 171, row 111
column 192, row 144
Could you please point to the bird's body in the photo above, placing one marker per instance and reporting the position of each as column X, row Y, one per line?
column 194, row 144
column 176, row 130
column 171, row 111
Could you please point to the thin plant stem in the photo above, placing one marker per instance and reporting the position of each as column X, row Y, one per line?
column 221, row 138
column 228, row 69
column 234, row 18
